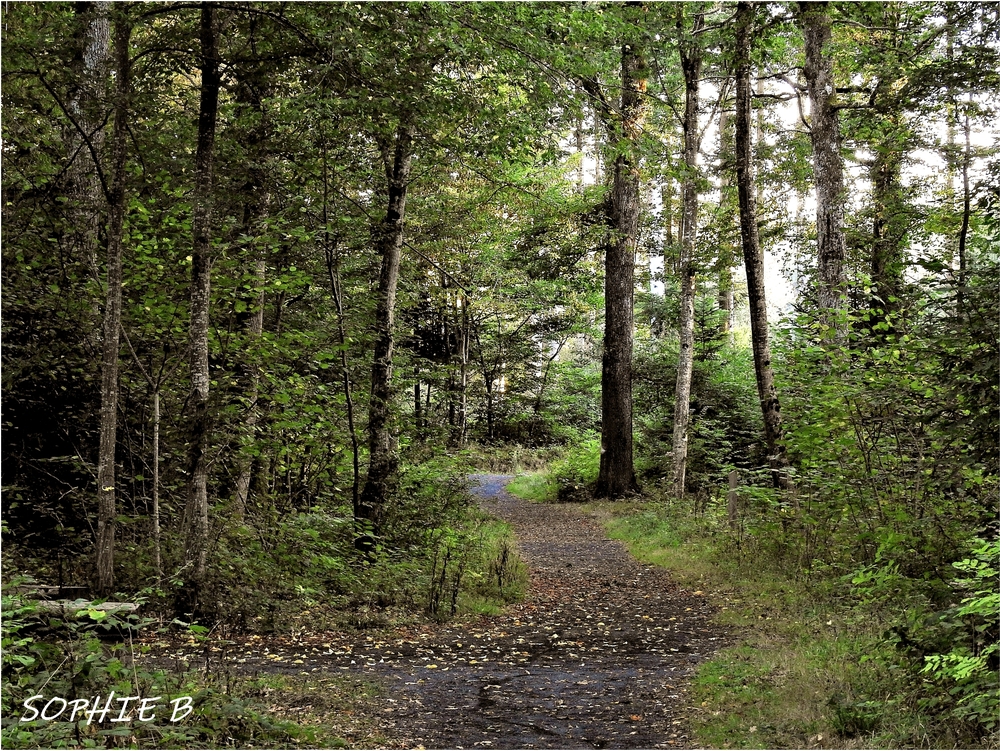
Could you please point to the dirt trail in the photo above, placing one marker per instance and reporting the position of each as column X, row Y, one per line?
column 597, row 656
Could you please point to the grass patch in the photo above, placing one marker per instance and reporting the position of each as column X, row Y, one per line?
column 811, row 669
column 537, row 487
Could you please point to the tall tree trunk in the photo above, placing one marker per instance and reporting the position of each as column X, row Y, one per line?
column 250, row 94
column 196, row 510
column 418, row 406
column 617, row 474
column 255, row 329
column 157, row 556
column 463, row 376
column 106, row 501
column 963, row 234
column 383, row 460
column 667, row 196
column 726, row 250
column 333, row 270
column 828, row 168
column 691, row 58
column 85, row 140
column 752, row 255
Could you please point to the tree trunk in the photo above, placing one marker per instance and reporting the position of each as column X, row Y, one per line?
column 157, row 556
column 828, row 168
column 106, row 501
column 85, row 140
column 668, row 228
column 418, row 416
column 617, row 474
column 196, row 510
column 691, row 59
column 963, row 233
column 333, row 269
column 463, row 378
column 250, row 94
column 383, row 460
column 255, row 329
column 726, row 250
column 752, row 256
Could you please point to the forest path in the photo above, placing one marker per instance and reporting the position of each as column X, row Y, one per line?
column 598, row 654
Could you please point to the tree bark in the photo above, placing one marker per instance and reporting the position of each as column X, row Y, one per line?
column 196, row 510
column 963, row 234
column 157, row 555
column 255, row 329
column 752, row 255
column 691, row 59
column 333, row 270
column 726, row 250
column 617, row 474
column 828, row 168
column 383, row 460
column 106, row 500
column 251, row 93
column 85, row 140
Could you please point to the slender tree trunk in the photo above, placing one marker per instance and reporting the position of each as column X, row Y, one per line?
column 383, row 459
column 828, row 169
column 617, row 474
column 251, row 91
column 726, row 250
column 963, row 234
column 85, row 105
column 106, row 500
column 333, row 269
column 255, row 329
column 157, row 556
column 752, row 255
column 463, row 382
column 668, row 228
column 418, row 416
column 196, row 510
column 691, row 59
column 332, row 250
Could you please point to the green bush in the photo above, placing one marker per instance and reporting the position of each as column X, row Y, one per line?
column 577, row 472
column 967, row 672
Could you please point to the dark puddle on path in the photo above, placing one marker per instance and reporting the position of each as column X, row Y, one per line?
column 597, row 656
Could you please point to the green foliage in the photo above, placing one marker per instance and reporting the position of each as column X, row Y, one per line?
column 72, row 659
column 966, row 674
column 576, row 474
column 725, row 430
column 473, row 568
column 537, row 486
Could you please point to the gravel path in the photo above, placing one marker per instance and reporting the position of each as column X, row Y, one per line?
column 597, row 656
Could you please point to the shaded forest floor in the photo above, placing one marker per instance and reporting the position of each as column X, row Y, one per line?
column 598, row 655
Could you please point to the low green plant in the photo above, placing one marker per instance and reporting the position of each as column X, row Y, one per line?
column 577, row 472
column 59, row 660
column 539, row 487
column 473, row 568
column 967, row 672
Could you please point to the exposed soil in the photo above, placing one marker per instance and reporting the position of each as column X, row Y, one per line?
column 598, row 655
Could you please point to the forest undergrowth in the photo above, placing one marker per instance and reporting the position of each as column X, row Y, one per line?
column 309, row 579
